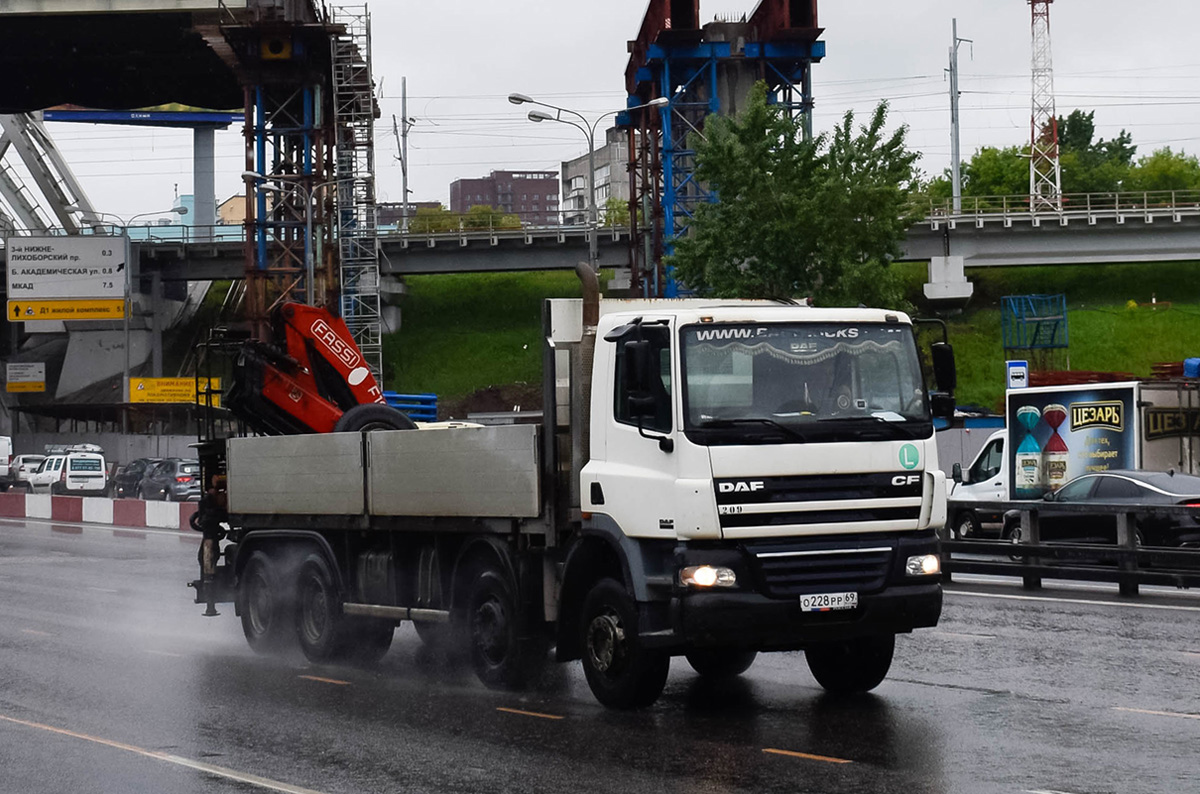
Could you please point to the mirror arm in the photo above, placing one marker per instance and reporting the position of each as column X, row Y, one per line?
column 665, row 443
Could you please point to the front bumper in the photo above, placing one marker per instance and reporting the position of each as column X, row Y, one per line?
column 755, row 621
column 763, row 610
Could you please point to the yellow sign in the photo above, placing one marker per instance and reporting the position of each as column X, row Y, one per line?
column 70, row 309
column 24, row 387
column 172, row 390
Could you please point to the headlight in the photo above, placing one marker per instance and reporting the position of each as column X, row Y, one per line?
column 923, row 565
column 708, row 576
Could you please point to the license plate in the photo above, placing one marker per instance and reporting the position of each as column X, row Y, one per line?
column 827, row 602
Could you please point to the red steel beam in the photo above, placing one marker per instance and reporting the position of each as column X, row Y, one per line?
column 785, row 20
column 661, row 15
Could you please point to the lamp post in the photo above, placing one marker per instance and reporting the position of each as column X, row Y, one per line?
column 589, row 132
column 308, row 193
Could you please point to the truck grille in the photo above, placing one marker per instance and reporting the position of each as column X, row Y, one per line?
column 765, row 502
column 795, row 569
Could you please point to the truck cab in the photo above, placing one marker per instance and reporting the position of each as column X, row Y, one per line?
column 976, row 493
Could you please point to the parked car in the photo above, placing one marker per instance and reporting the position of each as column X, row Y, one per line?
column 1118, row 487
column 5, row 461
column 172, row 479
column 19, row 469
column 71, row 473
column 127, row 478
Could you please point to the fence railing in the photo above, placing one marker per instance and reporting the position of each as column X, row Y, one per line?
column 1127, row 563
column 1070, row 204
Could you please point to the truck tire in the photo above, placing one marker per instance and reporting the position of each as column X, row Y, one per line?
column 264, row 602
column 321, row 627
column 621, row 672
column 965, row 526
column 720, row 662
column 500, row 655
column 373, row 416
column 851, row 666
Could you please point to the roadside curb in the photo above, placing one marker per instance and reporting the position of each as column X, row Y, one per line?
column 97, row 510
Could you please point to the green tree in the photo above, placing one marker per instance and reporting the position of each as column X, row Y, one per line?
column 1165, row 170
column 428, row 220
column 796, row 217
column 482, row 216
column 615, row 213
column 1089, row 165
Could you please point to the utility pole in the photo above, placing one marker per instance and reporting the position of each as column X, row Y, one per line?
column 1045, row 171
column 401, row 133
column 955, row 129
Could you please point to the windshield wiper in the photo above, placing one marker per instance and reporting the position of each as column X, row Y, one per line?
column 713, row 424
column 901, row 427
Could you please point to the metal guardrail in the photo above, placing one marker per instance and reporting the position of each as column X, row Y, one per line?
column 1155, row 203
column 1127, row 563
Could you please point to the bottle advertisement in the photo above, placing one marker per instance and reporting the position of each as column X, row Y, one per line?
column 1058, row 433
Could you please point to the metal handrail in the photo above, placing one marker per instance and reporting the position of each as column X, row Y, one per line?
column 1070, row 204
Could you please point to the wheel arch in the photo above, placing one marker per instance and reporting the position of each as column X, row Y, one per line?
column 478, row 551
column 291, row 545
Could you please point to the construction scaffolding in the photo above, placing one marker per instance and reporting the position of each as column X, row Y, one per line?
column 355, row 113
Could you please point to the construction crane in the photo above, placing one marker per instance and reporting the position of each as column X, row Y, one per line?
column 1045, row 172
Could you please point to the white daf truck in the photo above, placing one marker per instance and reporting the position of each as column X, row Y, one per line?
column 711, row 479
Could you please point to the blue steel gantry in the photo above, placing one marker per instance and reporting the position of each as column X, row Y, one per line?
column 703, row 70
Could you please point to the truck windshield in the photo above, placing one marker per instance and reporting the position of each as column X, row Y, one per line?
column 782, row 383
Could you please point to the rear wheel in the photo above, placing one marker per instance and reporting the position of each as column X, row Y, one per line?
column 265, row 601
column 721, row 662
column 1013, row 534
column 851, row 666
column 621, row 672
column 320, row 625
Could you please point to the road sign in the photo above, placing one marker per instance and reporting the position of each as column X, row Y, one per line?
column 25, row 376
column 170, row 390
column 68, row 309
column 56, row 268
column 1018, row 374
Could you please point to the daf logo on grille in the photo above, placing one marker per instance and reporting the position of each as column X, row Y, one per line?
column 743, row 486
column 902, row 480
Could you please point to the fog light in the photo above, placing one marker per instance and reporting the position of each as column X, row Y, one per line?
column 923, row 565
column 708, row 576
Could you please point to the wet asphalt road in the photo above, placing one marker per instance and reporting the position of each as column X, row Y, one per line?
column 112, row 681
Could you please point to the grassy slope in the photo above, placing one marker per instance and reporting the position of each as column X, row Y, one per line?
column 466, row 332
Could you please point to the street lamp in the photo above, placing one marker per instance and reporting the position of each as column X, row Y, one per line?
column 589, row 131
column 308, row 193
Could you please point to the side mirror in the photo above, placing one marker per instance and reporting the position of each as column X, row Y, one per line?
column 944, row 371
column 956, row 473
column 942, row 405
column 1049, row 497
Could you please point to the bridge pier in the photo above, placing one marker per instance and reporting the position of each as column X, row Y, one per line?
column 948, row 285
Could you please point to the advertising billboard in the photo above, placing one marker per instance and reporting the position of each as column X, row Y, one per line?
column 1059, row 433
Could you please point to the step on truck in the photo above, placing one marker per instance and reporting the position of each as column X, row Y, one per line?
column 711, row 479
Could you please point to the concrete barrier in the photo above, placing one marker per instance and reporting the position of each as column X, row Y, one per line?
column 98, row 510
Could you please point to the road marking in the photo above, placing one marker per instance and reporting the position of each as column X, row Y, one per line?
column 1191, row 653
column 1052, row 600
column 166, row 653
column 1046, row 791
column 808, row 756
column 965, row 635
column 24, row 522
column 136, row 534
column 103, row 590
column 529, row 713
column 199, row 766
column 1159, row 713
column 321, row 680
column 38, row 633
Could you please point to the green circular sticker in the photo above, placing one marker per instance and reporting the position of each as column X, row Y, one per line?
column 910, row 456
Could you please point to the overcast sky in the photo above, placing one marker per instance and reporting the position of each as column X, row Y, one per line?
column 1136, row 64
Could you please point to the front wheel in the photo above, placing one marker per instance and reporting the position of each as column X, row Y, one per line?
column 965, row 526
column 851, row 666
column 621, row 672
column 720, row 662
column 501, row 656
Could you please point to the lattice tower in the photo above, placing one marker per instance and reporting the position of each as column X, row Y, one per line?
column 355, row 112
column 1045, row 173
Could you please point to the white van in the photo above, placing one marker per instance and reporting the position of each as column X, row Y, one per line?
column 71, row 473
column 6, row 453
